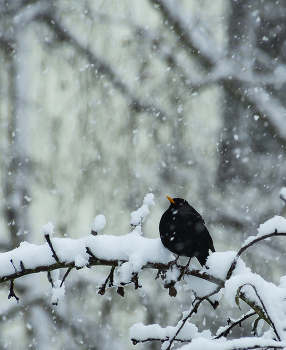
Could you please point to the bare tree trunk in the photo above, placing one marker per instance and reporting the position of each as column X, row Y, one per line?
column 251, row 154
column 18, row 167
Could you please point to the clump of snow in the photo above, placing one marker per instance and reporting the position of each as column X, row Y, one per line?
column 58, row 292
column 277, row 223
column 67, row 249
column 172, row 274
column 48, row 229
column 80, row 261
column 98, row 223
column 199, row 286
column 138, row 251
column 139, row 216
column 149, row 199
column 190, row 331
column 219, row 263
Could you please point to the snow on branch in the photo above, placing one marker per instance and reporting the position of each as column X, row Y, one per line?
column 271, row 228
column 140, row 215
column 225, row 275
column 266, row 301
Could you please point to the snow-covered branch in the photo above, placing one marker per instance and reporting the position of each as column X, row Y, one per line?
column 225, row 274
column 127, row 252
column 277, row 225
column 224, row 331
column 266, row 300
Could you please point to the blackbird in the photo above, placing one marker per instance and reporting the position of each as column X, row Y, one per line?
column 183, row 231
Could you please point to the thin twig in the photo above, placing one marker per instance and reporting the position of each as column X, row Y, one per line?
column 135, row 280
column 233, row 265
column 235, row 323
column 54, row 255
column 50, row 278
column 89, row 252
column 22, row 265
column 194, row 310
column 65, row 276
column 12, row 293
column 11, row 261
column 109, row 279
column 135, row 341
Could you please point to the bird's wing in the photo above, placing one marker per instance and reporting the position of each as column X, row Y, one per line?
column 193, row 211
column 207, row 236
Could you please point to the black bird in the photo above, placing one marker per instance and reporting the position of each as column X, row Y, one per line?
column 183, row 231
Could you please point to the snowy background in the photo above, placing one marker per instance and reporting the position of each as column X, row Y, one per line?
column 103, row 102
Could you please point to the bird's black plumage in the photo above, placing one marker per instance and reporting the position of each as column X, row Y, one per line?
column 183, row 231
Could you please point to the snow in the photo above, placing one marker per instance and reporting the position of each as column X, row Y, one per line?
column 149, row 200
column 30, row 254
column 140, row 215
column 57, row 292
column 199, row 286
column 219, row 263
column 190, row 331
column 98, row 223
column 134, row 249
column 272, row 297
column 80, row 261
column 223, row 344
column 199, row 341
column 67, row 249
column 277, row 223
column 48, row 229
column 133, row 252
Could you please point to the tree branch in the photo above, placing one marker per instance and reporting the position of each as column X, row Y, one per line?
column 189, row 33
column 270, row 322
column 195, row 308
column 135, row 101
column 241, row 84
column 233, row 265
column 20, row 258
column 235, row 323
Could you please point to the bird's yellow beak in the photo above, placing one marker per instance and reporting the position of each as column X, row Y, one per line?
column 171, row 199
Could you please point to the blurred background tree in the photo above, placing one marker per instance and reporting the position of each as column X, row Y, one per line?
column 104, row 101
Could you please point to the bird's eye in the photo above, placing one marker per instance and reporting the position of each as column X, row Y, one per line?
column 181, row 203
